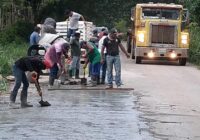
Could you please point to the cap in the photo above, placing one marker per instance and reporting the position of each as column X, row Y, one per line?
column 77, row 33
column 47, row 64
column 113, row 31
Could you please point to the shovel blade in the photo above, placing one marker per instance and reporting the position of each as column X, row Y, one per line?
column 44, row 103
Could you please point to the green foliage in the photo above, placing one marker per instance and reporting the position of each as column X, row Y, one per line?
column 195, row 12
column 18, row 33
column 9, row 54
column 121, row 26
column 194, row 52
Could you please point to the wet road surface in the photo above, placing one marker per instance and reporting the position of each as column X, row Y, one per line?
column 75, row 115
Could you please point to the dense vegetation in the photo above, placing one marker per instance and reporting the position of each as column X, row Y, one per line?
column 110, row 13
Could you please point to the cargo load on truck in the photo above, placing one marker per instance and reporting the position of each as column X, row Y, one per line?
column 85, row 29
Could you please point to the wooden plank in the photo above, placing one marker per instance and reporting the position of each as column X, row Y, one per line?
column 93, row 88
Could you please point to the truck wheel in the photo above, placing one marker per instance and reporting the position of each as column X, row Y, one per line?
column 138, row 59
column 182, row 61
column 132, row 56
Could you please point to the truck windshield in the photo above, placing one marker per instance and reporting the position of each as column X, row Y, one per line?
column 158, row 13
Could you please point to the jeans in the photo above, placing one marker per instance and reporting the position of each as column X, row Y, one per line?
column 20, row 77
column 75, row 63
column 104, row 67
column 54, row 71
column 71, row 32
column 95, row 69
column 113, row 60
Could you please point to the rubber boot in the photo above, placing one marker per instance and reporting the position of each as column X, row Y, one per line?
column 51, row 80
column 12, row 103
column 98, row 80
column 70, row 73
column 103, row 80
column 77, row 74
column 12, row 97
column 23, row 99
column 94, row 81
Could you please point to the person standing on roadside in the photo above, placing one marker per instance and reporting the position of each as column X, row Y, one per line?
column 29, row 63
column 75, row 54
column 73, row 18
column 35, row 37
column 112, row 44
column 103, row 65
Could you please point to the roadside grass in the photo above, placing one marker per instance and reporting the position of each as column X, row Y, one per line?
column 9, row 54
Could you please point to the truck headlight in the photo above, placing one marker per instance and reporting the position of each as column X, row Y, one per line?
column 151, row 54
column 184, row 39
column 173, row 55
column 141, row 37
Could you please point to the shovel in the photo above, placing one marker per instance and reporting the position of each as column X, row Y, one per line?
column 42, row 103
column 83, row 80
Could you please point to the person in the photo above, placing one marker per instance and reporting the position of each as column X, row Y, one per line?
column 94, row 39
column 75, row 54
column 49, row 26
column 103, row 65
column 112, row 44
column 22, row 65
column 54, row 56
column 73, row 22
column 94, row 58
column 101, row 34
column 35, row 37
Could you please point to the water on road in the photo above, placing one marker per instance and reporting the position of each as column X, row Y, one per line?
column 75, row 115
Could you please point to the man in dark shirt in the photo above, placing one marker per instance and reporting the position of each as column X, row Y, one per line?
column 29, row 63
column 75, row 54
column 112, row 44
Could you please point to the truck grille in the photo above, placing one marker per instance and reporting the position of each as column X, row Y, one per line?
column 163, row 34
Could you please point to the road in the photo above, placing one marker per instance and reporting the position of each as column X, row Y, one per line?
column 165, row 105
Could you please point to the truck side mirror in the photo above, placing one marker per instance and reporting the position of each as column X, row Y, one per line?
column 185, row 16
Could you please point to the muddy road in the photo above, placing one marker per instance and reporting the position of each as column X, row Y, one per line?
column 165, row 105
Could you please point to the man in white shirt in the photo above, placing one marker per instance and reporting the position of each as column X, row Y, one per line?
column 103, row 65
column 73, row 18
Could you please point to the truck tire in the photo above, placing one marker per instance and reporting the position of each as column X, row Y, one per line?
column 138, row 60
column 182, row 61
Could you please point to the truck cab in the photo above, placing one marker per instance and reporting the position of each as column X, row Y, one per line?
column 159, row 32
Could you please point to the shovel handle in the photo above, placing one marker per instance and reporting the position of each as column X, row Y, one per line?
column 34, row 78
